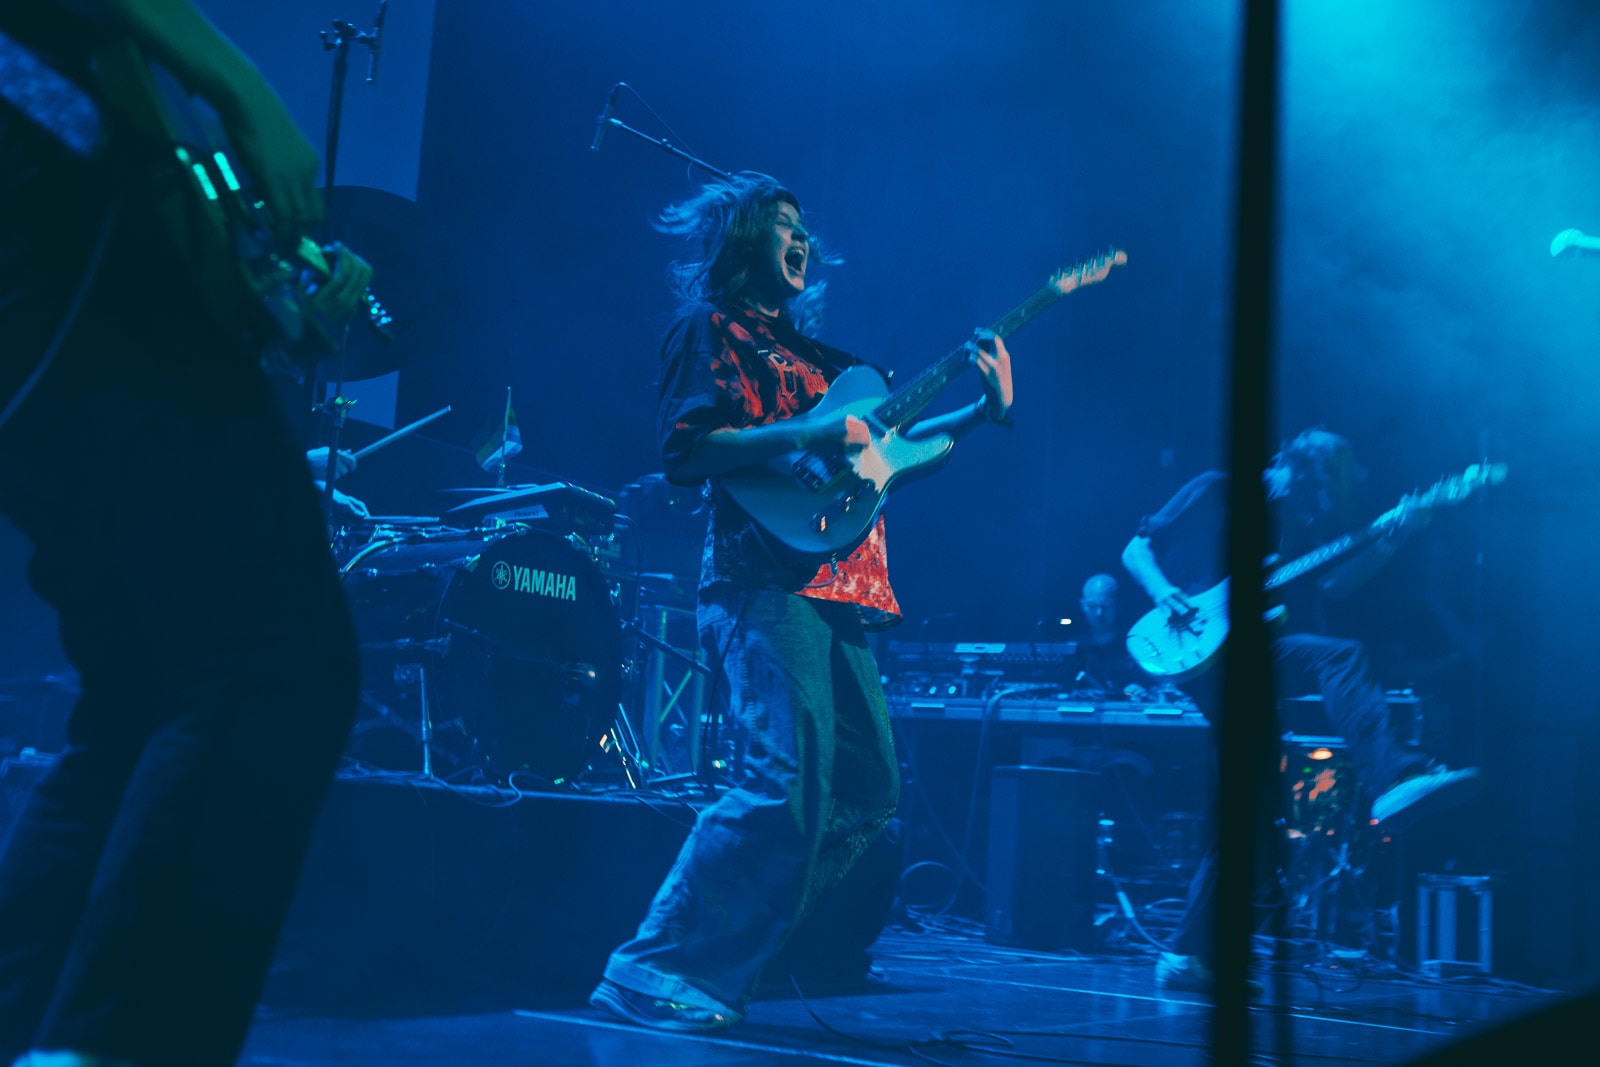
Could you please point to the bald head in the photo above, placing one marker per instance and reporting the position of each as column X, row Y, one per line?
column 1100, row 588
column 1099, row 605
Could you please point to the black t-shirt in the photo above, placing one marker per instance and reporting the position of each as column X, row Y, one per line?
column 1188, row 538
column 1187, row 534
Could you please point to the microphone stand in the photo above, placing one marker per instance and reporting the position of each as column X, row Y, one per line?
column 607, row 122
column 505, row 435
column 338, row 42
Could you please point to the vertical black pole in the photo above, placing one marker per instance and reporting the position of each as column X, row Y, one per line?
column 1247, row 722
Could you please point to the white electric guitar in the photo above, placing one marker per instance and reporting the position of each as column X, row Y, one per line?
column 1176, row 646
column 823, row 506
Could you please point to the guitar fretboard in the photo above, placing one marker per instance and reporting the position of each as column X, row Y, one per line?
column 906, row 403
column 1314, row 559
column 1449, row 490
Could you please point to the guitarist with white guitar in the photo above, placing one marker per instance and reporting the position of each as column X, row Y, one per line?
column 1177, row 557
column 178, row 537
column 784, row 632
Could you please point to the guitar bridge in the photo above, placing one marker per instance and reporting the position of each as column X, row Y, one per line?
column 843, row 504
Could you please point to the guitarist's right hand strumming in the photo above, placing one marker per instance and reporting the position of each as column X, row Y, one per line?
column 731, row 448
column 1140, row 562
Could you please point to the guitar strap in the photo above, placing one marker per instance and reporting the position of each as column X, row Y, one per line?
column 48, row 100
column 60, row 126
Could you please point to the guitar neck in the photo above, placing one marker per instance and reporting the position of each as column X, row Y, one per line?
column 1450, row 490
column 905, row 404
column 1317, row 557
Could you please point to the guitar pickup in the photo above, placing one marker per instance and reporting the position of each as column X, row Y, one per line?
column 811, row 471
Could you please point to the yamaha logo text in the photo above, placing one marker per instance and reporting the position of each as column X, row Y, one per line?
column 535, row 582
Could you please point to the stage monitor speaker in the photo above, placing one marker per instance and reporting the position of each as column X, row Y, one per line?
column 1041, row 883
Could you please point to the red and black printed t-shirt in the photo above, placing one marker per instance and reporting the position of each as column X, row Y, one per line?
column 743, row 368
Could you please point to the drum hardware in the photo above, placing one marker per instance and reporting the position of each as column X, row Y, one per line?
column 623, row 743
column 1330, row 842
column 561, row 505
column 663, row 696
column 425, row 719
column 418, row 734
column 523, row 674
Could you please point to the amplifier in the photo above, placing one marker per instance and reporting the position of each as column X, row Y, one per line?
column 1305, row 715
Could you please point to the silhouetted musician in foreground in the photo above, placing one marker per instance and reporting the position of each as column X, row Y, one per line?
column 177, row 535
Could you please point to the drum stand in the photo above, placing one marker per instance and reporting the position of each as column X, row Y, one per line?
column 663, row 696
column 1339, row 893
column 417, row 674
column 425, row 721
column 624, row 741
column 420, row 731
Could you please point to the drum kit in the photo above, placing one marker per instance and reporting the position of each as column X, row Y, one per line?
column 505, row 640
column 536, row 635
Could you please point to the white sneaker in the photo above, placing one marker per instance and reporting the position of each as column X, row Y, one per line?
column 1186, row 974
column 1423, row 795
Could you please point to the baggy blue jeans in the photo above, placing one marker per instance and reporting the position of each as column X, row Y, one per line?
column 819, row 782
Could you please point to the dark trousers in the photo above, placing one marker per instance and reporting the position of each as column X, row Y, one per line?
column 820, row 781
column 177, row 535
column 1356, row 708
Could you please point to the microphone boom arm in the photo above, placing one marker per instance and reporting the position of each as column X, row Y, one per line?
column 668, row 147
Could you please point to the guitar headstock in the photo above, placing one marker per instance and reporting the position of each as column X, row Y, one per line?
column 1574, row 241
column 1457, row 487
column 1090, row 272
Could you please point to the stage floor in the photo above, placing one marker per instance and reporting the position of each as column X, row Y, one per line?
column 938, row 998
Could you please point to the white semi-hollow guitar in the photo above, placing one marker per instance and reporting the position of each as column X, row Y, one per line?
column 1179, row 645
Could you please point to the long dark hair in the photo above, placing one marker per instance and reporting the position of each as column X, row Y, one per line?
column 1327, row 464
column 727, row 223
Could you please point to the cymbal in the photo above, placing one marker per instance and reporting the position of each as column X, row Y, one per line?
column 570, row 506
column 389, row 232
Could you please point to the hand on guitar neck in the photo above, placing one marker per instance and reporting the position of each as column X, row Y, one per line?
column 238, row 223
column 266, row 138
column 1574, row 243
column 343, row 288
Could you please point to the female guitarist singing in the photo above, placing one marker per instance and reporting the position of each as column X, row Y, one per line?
column 786, row 637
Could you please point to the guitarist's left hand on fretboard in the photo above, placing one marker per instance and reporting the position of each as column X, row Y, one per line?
column 989, row 355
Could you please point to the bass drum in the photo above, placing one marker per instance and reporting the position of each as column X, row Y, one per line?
column 509, row 635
